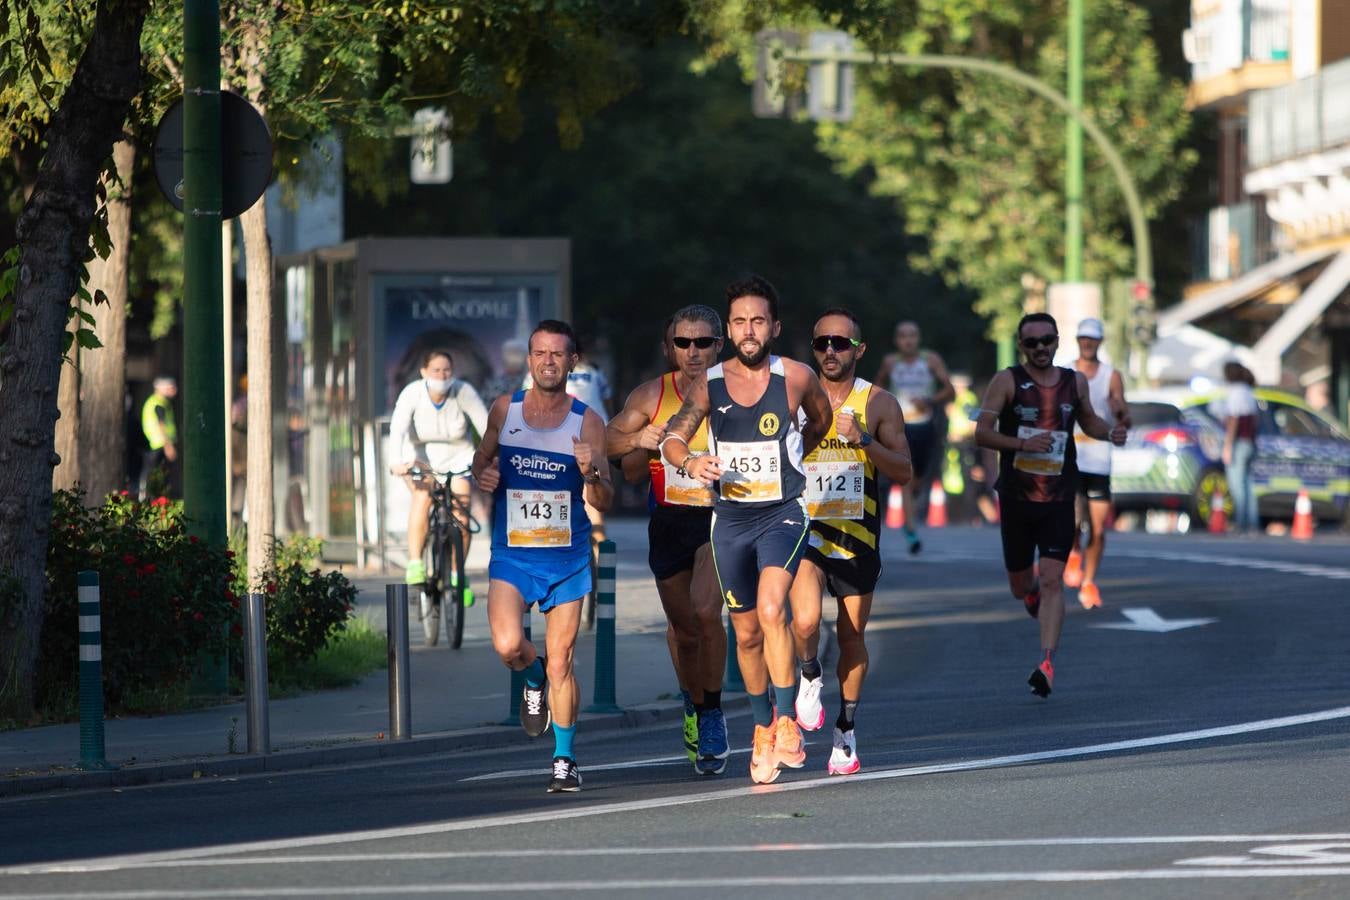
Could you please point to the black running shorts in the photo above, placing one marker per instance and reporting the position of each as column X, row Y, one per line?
column 1094, row 486
column 848, row 577
column 920, row 440
column 674, row 535
column 1028, row 527
column 745, row 541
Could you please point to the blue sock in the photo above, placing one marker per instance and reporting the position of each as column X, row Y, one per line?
column 562, row 739
column 534, row 673
column 759, row 706
column 785, row 698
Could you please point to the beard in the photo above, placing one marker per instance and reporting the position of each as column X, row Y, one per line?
column 760, row 355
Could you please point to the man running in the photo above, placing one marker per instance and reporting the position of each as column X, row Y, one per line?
column 918, row 378
column 759, row 522
column 538, row 456
column 1027, row 415
column 842, row 498
column 678, row 551
column 1106, row 389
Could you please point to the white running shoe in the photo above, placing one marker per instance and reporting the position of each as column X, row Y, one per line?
column 810, row 714
column 844, row 756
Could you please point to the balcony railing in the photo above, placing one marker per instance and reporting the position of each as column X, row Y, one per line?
column 1305, row 116
column 1230, row 240
column 1234, row 32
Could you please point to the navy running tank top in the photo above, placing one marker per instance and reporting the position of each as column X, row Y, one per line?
column 760, row 446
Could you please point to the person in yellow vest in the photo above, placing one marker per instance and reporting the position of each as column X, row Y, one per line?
column 961, row 452
column 867, row 435
column 161, row 434
column 678, row 534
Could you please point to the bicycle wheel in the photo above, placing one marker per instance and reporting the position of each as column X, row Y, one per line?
column 457, row 581
column 432, row 592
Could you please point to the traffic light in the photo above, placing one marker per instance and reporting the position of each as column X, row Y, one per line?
column 772, row 99
column 829, row 89
column 1144, row 314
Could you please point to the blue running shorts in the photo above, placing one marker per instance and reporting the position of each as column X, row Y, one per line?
column 548, row 588
column 745, row 541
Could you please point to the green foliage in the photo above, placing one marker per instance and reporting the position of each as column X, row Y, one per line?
column 165, row 596
column 351, row 654
column 975, row 163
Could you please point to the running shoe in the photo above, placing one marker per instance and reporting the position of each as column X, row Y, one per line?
column 763, row 769
column 691, row 734
column 810, row 714
column 1089, row 596
column 788, row 746
column 712, row 742
column 415, row 573
column 844, row 756
column 1073, row 570
column 1042, row 679
column 468, row 597
column 534, row 713
column 566, row 776
column 912, row 538
column 1033, row 602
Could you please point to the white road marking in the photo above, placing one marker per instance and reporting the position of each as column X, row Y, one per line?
column 1326, row 852
column 1312, row 570
column 606, row 767
column 684, row 884
column 1145, row 619
column 558, row 814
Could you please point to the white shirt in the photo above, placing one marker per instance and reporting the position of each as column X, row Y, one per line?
column 419, row 429
column 1238, row 401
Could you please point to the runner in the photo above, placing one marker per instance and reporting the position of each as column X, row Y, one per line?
column 1027, row 415
column 842, row 498
column 759, row 522
column 677, row 536
column 1106, row 389
column 918, row 378
column 538, row 456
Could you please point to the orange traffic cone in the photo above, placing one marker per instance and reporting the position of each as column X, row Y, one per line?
column 895, row 508
column 937, row 506
column 1303, row 520
column 1218, row 519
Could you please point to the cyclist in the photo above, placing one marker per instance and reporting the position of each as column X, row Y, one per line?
column 436, row 424
column 542, row 451
column 842, row 498
column 679, row 554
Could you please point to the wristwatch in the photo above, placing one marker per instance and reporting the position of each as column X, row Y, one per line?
column 594, row 477
column 864, row 440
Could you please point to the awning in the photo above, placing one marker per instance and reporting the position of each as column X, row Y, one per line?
column 1188, row 352
column 1239, row 289
column 1303, row 312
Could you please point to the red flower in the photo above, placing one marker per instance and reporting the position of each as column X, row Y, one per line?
column 271, row 587
column 197, row 617
column 148, row 569
column 236, row 629
column 234, row 603
column 192, row 538
column 229, row 554
column 160, row 501
column 133, row 594
column 128, row 559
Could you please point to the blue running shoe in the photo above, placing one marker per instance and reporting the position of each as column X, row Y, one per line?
column 712, row 742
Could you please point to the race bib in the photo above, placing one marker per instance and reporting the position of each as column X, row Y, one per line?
column 1048, row 463
column 834, row 490
column 538, row 518
column 750, row 471
column 682, row 490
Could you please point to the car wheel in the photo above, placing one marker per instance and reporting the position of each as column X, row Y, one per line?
column 1211, row 480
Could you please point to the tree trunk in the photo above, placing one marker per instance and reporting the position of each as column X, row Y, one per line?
column 53, row 235
column 67, row 474
column 258, row 269
column 103, row 371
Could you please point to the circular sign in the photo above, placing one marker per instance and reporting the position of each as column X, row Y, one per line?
column 245, row 155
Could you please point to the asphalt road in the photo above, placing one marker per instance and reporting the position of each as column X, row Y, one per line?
column 1205, row 761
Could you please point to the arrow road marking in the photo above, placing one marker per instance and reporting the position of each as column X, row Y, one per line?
column 1142, row 618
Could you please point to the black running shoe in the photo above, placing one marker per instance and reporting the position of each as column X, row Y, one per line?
column 1042, row 679
column 566, row 776
column 534, row 713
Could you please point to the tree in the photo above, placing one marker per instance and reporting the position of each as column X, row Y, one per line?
column 53, row 235
column 975, row 163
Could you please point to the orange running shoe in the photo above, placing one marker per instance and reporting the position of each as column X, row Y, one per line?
column 763, row 768
column 1089, row 596
column 1042, row 679
column 1073, row 570
column 787, row 743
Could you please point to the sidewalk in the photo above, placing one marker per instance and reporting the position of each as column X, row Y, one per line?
column 459, row 699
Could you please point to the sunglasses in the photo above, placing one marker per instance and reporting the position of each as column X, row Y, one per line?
column 836, row 342
column 702, row 343
column 1044, row 340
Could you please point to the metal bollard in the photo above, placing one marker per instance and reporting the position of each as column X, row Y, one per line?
column 92, row 754
column 733, row 680
column 400, row 680
column 605, row 701
column 255, row 673
column 517, row 680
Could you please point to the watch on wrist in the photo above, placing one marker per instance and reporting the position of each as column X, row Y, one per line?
column 864, row 440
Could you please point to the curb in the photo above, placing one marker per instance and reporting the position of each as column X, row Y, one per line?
column 483, row 737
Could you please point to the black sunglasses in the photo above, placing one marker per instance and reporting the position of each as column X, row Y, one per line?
column 837, row 342
column 1044, row 340
column 702, row 343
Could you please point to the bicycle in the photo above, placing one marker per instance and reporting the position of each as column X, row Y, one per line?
column 446, row 581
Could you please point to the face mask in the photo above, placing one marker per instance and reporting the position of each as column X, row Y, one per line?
column 438, row 386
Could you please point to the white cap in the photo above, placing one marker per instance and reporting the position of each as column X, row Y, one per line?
column 1091, row 328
